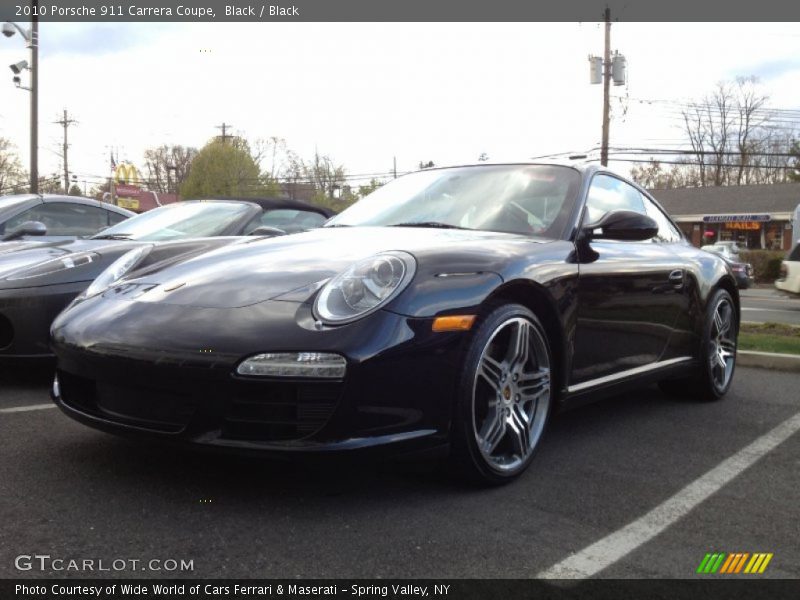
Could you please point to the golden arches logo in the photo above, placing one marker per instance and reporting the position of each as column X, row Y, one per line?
column 127, row 174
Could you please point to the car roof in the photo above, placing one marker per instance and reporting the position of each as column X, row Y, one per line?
column 48, row 198
column 272, row 203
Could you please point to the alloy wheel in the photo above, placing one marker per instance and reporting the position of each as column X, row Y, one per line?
column 511, row 394
column 722, row 344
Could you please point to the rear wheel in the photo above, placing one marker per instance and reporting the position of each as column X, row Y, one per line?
column 504, row 397
column 714, row 374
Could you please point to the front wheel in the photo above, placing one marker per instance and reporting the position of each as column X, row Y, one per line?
column 504, row 396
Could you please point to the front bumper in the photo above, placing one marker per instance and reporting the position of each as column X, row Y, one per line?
column 26, row 315
column 397, row 394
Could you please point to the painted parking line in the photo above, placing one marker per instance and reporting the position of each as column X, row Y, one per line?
column 15, row 409
column 768, row 309
column 605, row 552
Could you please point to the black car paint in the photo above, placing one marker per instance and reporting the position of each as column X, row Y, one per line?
column 236, row 302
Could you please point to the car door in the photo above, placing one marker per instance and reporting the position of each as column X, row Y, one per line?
column 629, row 293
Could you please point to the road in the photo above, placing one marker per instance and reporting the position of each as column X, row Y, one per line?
column 74, row 493
column 762, row 305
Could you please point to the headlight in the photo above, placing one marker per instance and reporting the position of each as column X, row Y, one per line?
column 364, row 287
column 54, row 265
column 117, row 270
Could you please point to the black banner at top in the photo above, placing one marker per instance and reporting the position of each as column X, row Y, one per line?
column 387, row 10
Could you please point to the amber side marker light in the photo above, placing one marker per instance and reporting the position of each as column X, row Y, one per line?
column 453, row 323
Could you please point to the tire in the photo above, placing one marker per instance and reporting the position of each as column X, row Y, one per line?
column 504, row 397
column 717, row 356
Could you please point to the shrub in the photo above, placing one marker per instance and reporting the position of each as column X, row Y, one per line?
column 766, row 263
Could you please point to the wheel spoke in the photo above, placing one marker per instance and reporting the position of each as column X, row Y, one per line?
column 493, row 429
column 519, row 426
column 491, row 371
column 519, row 345
column 532, row 385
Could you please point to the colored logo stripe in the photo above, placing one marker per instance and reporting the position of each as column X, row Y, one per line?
column 734, row 562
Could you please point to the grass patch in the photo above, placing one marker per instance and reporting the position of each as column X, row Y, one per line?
column 770, row 337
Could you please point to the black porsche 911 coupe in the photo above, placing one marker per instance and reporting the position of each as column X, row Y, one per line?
column 38, row 280
column 453, row 309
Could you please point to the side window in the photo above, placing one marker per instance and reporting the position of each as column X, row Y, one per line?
column 292, row 221
column 114, row 218
column 667, row 233
column 62, row 218
column 608, row 193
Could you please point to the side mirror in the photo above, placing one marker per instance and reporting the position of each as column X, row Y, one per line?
column 622, row 225
column 27, row 228
column 265, row 230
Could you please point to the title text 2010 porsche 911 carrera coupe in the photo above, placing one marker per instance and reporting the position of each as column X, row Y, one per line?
column 451, row 309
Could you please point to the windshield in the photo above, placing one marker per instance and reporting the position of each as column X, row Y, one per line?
column 526, row 199
column 177, row 221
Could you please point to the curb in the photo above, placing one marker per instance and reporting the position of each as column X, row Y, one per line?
column 768, row 360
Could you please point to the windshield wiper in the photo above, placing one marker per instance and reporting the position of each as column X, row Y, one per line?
column 432, row 224
column 112, row 236
column 338, row 225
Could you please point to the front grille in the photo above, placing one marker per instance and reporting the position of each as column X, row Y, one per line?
column 239, row 410
column 279, row 411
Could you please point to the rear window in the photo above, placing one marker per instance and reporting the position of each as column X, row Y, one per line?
column 795, row 254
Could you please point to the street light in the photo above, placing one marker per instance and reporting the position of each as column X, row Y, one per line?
column 31, row 37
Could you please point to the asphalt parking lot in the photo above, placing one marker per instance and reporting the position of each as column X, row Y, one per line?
column 764, row 305
column 74, row 493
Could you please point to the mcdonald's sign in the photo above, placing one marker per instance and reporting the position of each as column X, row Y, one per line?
column 127, row 174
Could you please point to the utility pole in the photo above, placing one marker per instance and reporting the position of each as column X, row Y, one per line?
column 65, row 122
column 606, row 69
column 34, row 97
column 394, row 166
column 606, row 84
column 224, row 128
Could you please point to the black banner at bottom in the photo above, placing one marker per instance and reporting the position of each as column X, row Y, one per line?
column 399, row 589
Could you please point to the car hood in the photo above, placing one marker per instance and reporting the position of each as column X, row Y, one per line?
column 27, row 254
column 272, row 268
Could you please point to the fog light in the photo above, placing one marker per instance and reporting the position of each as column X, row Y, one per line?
column 56, row 391
column 316, row 365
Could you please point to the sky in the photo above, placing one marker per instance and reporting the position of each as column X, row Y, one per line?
column 367, row 93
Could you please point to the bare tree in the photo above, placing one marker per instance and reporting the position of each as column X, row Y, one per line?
column 168, row 167
column 12, row 176
column 732, row 137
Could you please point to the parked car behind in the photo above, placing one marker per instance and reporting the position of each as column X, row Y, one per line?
column 789, row 278
column 48, row 217
column 742, row 272
column 728, row 250
column 37, row 280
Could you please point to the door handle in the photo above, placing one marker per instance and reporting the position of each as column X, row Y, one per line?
column 676, row 279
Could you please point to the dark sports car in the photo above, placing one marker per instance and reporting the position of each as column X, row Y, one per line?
column 52, row 217
column 38, row 280
column 452, row 309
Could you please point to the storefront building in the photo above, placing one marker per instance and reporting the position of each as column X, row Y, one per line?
column 755, row 216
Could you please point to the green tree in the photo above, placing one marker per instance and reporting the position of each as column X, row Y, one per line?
column 226, row 168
